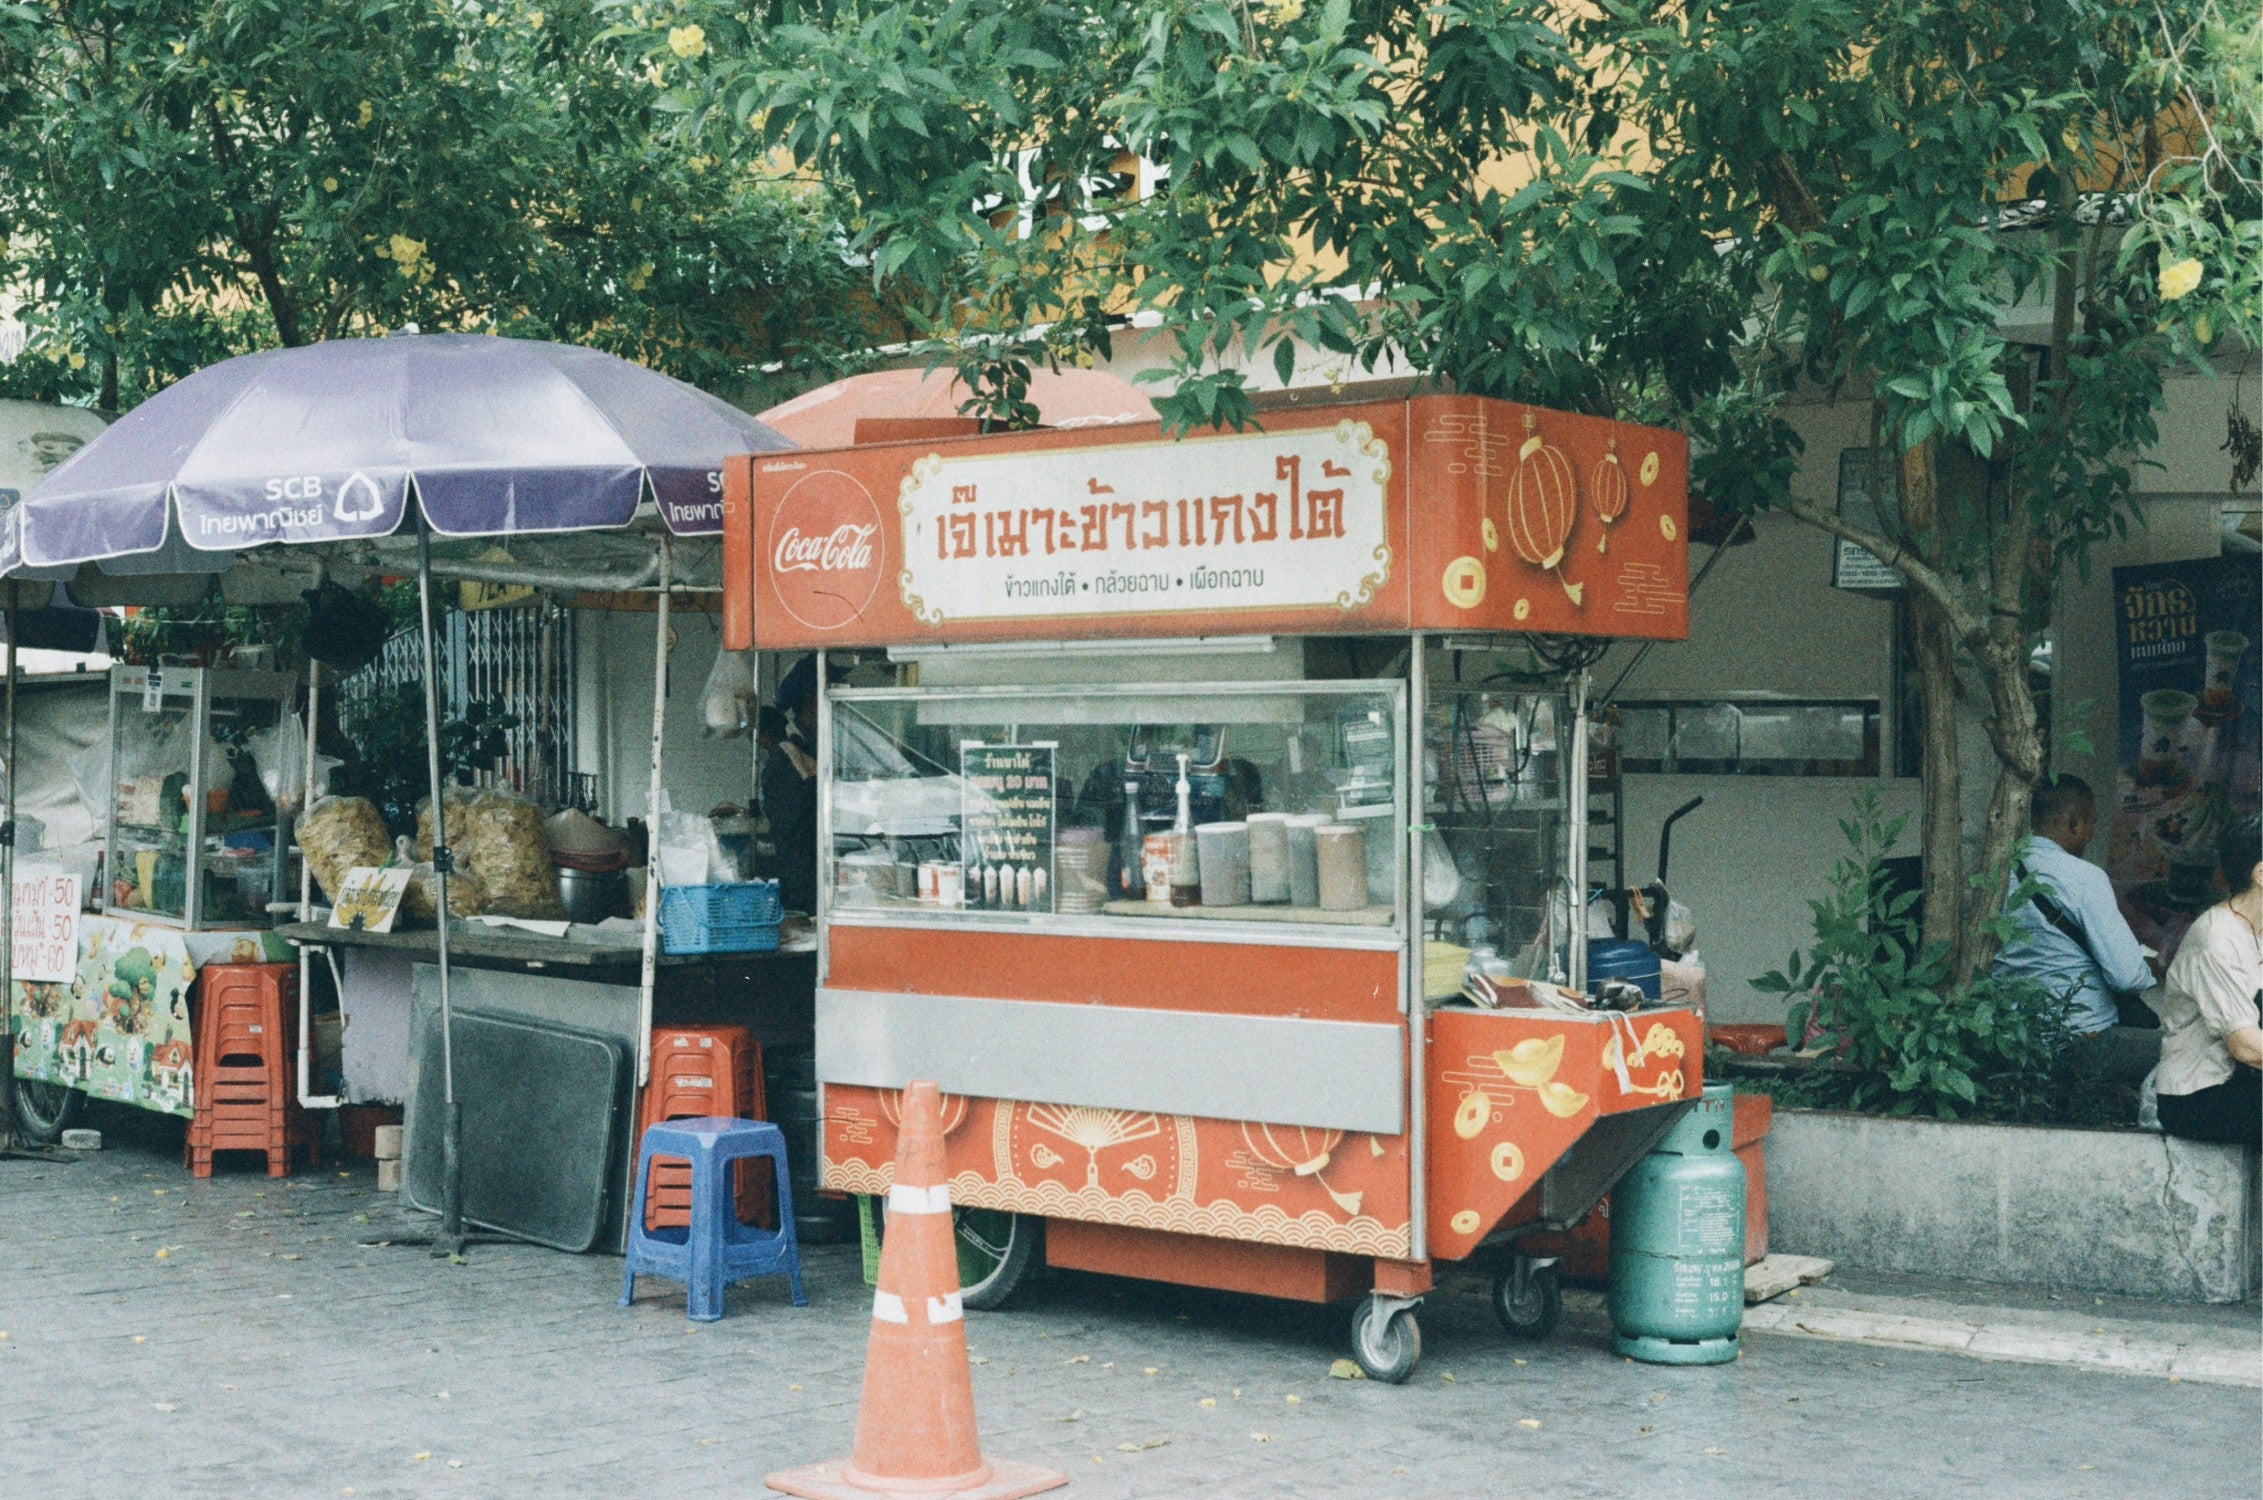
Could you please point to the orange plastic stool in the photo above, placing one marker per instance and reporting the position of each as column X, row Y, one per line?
column 703, row 1072
column 246, row 1029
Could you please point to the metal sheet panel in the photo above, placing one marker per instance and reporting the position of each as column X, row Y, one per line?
column 1338, row 1075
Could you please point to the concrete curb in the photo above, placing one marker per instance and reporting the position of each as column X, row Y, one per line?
column 2123, row 1352
column 2121, row 1347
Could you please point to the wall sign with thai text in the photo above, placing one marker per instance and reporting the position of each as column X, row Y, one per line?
column 1288, row 520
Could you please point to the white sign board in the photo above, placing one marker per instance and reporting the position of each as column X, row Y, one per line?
column 369, row 898
column 44, row 921
column 1866, row 478
column 1249, row 522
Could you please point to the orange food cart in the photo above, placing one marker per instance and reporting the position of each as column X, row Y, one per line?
column 1168, row 788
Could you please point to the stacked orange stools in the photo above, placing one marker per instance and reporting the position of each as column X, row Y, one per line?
column 703, row 1072
column 246, row 1045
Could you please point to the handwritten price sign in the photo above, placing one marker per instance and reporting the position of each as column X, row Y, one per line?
column 46, row 924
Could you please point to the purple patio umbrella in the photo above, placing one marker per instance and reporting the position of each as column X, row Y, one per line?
column 323, row 444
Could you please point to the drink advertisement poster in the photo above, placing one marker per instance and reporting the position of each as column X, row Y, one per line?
column 1006, row 825
column 2191, row 709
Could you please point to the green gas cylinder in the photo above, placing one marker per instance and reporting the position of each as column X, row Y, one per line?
column 1677, row 1243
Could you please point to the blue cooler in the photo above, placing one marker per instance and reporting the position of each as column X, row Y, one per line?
column 1618, row 958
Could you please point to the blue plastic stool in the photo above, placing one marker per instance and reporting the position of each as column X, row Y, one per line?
column 715, row 1249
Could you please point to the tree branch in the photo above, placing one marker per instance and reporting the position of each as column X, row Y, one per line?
column 1894, row 555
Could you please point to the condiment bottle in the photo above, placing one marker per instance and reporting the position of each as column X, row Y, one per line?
column 1130, row 881
column 1186, row 865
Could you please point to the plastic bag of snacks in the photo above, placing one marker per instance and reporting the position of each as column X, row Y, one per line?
column 466, row 896
column 341, row 834
column 420, row 901
column 502, row 846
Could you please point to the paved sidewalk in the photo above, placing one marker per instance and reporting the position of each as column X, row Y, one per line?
column 165, row 1337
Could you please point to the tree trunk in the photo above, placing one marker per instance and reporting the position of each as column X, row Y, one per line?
column 1934, row 646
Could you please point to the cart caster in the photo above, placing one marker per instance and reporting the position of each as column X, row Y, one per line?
column 1528, row 1299
column 996, row 1251
column 45, row 1110
column 1386, row 1339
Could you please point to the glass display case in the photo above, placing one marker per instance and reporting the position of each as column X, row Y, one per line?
column 195, row 838
column 1273, row 803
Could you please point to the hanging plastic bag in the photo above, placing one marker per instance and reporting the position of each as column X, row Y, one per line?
column 730, row 685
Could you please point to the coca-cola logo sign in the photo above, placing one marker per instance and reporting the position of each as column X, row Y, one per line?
column 825, row 549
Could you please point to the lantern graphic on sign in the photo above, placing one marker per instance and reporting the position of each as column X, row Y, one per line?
column 1300, row 1152
column 1608, row 489
column 1543, row 499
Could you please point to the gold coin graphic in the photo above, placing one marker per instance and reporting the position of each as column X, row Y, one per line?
column 1465, row 1222
column 1472, row 1113
column 1524, row 607
column 1465, row 582
column 1668, row 528
column 1492, row 536
column 1649, row 469
column 1508, row 1161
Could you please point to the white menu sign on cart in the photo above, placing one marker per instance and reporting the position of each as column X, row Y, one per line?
column 1254, row 521
column 44, row 921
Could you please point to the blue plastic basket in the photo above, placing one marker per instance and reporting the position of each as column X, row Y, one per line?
column 741, row 917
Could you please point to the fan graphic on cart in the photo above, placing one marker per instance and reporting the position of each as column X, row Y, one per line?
column 1299, row 1151
column 1094, row 1131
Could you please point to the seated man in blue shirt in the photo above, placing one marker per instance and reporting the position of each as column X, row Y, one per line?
column 2072, row 937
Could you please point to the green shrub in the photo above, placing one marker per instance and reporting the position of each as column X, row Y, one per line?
column 1875, row 1000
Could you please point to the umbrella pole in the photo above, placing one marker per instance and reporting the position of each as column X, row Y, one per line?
column 451, row 1238
column 653, row 794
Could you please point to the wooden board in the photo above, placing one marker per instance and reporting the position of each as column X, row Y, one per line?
column 1366, row 916
column 1778, row 1274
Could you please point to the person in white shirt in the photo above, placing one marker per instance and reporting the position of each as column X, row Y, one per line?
column 2211, row 1033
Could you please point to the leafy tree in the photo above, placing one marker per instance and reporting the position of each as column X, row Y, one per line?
column 187, row 179
column 1662, row 213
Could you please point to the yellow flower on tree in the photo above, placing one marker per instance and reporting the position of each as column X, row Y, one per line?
column 2179, row 278
column 365, row 114
column 406, row 253
column 534, row 18
column 687, row 42
column 330, row 184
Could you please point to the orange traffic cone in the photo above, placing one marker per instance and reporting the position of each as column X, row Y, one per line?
column 915, row 1425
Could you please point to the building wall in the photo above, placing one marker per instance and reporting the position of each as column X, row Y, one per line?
column 614, row 656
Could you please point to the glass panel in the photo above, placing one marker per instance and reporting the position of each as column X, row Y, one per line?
column 147, row 868
column 1493, row 873
column 1074, row 804
column 1750, row 737
column 191, row 811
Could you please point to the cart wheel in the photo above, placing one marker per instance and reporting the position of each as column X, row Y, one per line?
column 1528, row 1299
column 996, row 1250
column 45, row 1110
column 1387, row 1345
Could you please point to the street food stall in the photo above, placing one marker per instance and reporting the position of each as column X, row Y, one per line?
column 604, row 480
column 1213, row 832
